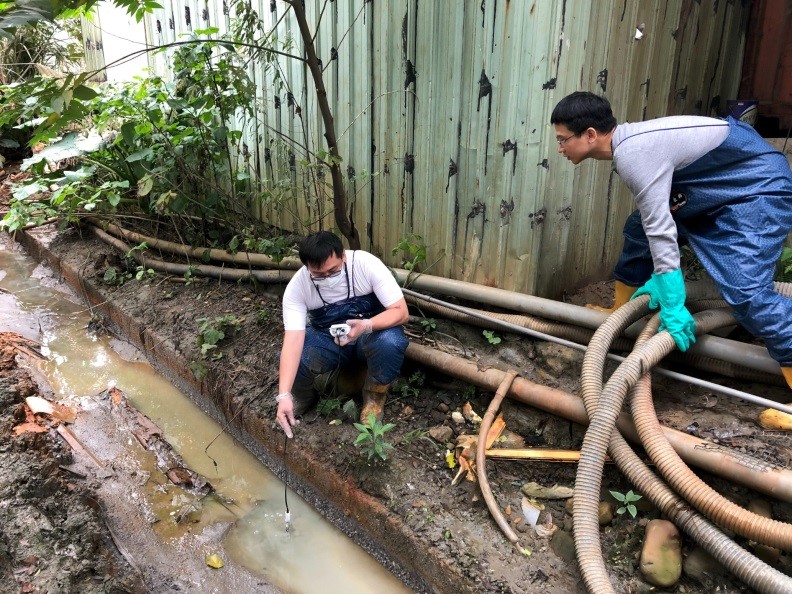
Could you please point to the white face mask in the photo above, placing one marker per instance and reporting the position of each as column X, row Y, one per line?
column 330, row 281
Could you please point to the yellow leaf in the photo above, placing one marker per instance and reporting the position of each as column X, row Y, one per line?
column 450, row 459
column 214, row 560
column 498, row 425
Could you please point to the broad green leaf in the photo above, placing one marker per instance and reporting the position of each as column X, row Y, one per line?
column 128, row 133
column 141, row 155
column 84, row 93
column 145, row 186
column 220, row 134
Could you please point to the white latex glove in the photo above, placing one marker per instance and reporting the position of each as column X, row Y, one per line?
column 357, row 329
column 285, row 415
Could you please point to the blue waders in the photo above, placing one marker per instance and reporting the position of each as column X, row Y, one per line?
column 382, row 350
column 734, row 207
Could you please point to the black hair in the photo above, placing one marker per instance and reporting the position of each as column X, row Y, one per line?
column 316, row 248
column 583, row 110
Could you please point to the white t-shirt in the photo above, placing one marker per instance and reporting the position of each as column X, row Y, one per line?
column 366, row 272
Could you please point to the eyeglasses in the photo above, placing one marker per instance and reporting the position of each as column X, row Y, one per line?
column 561, row 141
column 331, row 274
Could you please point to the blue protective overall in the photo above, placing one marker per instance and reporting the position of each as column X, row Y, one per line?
column 734, row 207
column 383, row 350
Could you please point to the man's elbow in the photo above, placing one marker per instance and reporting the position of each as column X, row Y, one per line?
column 405, row 314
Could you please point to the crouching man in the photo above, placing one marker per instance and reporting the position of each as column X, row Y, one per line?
column 337, row 286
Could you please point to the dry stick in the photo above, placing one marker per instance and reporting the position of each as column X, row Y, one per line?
column 535, row 454
column 481, row 458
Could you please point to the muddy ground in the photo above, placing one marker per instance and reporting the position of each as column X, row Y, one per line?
column 411, row 496
column 53, row 531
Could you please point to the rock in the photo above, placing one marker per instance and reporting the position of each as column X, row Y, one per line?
column 700, row 565
column 513, row 357
column 556, row 433
column 457, row 417
column 661, row 555
column 563, row 545
column 605, row 513
column 558, row 359
column 441, row 433
column 442, row 407
column 554, row 492
column 776, row 420
column 770, row 555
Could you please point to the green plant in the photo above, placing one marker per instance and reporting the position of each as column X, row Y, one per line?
column 690, row 263
column 371, row 438
column 627, row 500
column 212, row 330
column 429, row 325
column 413, row 248
column 491, row 337
column 263, row 315
column 115, row 277
column 414, row 435
column 413, row 385
column 469, row 393
column 327, row 406
column 199, row 369
column 784, row 266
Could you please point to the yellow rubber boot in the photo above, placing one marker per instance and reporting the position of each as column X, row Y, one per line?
column 621, row 295
column 787, row 371
column 374, row 396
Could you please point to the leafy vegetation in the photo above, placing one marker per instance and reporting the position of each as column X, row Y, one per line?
column 371, row 438
column 429, row 325
column 327, row 406
column 413, row 249
column 491, row 337
column 412, row 387
column 176, row 151
column 784, row 267
column 627, row 500
column 212, row 330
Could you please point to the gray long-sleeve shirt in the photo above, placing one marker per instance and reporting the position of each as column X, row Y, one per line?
column 645, row 155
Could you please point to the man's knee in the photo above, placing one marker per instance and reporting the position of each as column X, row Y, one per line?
column 393, row 338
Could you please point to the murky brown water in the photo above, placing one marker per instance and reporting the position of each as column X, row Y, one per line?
column 313, row 555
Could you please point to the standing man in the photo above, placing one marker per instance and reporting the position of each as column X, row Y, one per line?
column 715, row 184
column 339, row 287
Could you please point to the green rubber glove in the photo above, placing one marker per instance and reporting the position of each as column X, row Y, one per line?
column 667, row 291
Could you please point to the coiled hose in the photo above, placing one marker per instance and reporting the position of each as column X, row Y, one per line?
column 603, row 406
column 679, row 477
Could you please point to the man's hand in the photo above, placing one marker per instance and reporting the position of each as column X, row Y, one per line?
column 357, row 328
column 667, row 291
column 285, row 414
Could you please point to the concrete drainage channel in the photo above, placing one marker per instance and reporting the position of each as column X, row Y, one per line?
column 395, row 551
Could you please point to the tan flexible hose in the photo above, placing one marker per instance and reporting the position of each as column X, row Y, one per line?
column 561, row 330
column 601, row 404
column 481, row 458
column 679, row 477
column 239, row 258
column 232, row 274
column 756, row 357
column 718, row 460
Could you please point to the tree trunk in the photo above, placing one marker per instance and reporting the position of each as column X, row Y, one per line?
column 345, row 224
